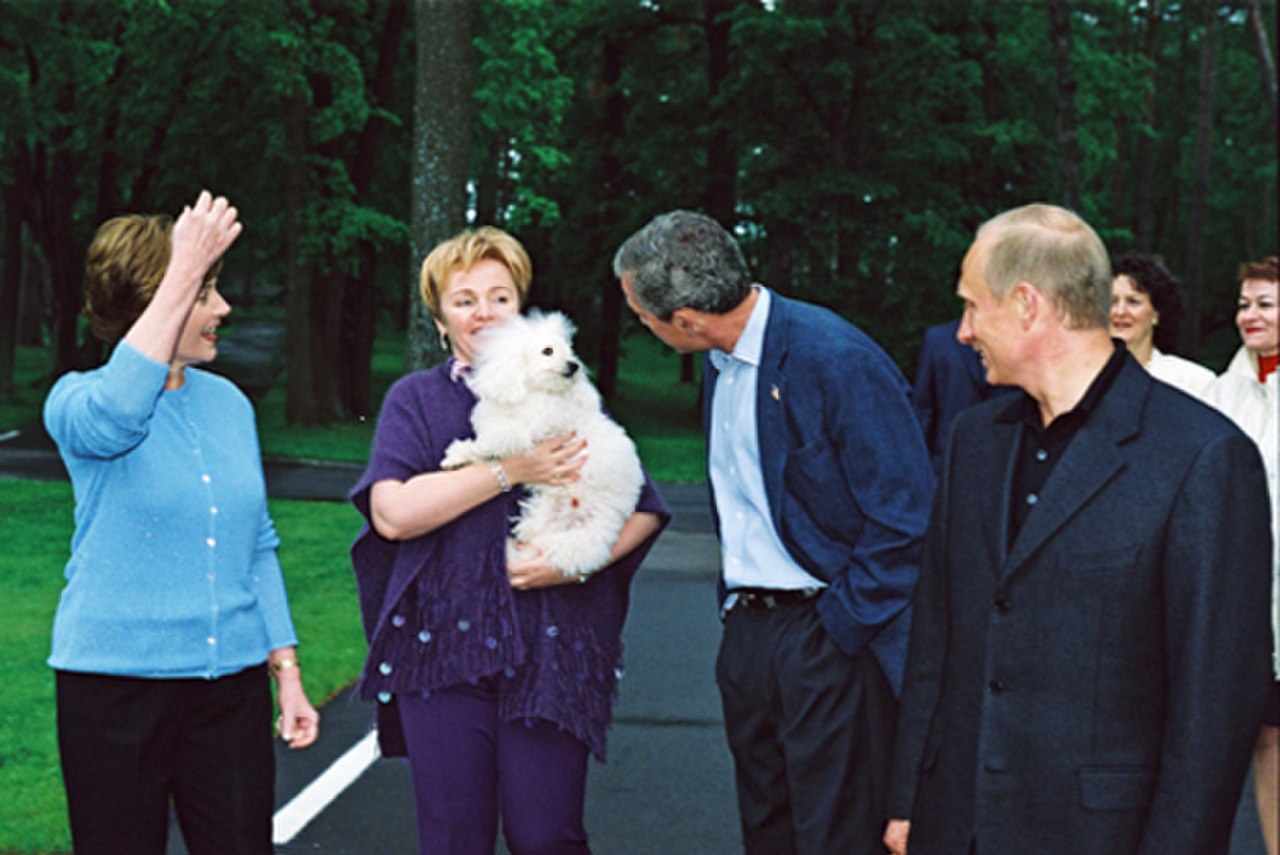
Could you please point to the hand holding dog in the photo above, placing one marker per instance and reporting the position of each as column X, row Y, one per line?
column 554, row 461
column 536, row 572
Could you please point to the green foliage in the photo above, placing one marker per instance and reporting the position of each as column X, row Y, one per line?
column 521, row 97
column 866, row 140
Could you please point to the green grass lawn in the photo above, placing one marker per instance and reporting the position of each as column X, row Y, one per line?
column 35, row 526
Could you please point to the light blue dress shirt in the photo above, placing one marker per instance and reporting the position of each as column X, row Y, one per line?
column 173, row 569
column 752, row 554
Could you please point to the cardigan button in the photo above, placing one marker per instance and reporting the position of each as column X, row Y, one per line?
column 384, row 669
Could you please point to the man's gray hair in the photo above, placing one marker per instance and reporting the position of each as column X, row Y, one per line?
column 684, row 259
column 1056, row 251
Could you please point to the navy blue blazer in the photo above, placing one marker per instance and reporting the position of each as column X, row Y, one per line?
column 846, row 473
column 949, row 379
column 1096, row 686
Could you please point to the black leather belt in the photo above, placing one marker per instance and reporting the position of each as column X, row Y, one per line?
column 772, row 598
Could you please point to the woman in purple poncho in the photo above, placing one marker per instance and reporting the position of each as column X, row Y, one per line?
column 497, row 681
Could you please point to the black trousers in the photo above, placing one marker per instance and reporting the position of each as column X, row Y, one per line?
column 811, row 731
column 130, row 745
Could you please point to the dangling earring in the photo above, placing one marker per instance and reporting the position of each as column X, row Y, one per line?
column 444, row 341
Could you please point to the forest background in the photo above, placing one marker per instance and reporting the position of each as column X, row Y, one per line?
column 853, row 145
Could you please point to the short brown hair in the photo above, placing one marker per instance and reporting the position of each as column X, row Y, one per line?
column 1266, row 269
column 462, row 251
column 126, row 260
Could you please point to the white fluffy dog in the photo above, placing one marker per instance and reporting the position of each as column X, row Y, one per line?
column 531, row 387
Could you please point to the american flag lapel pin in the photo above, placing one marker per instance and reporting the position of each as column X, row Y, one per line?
column 773, row 390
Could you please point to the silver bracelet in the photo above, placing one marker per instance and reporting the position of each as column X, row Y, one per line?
column 500, row 475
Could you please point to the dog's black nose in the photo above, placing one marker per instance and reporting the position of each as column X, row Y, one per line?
column 571, row 368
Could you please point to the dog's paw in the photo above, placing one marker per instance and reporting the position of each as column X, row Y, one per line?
column 459, row 453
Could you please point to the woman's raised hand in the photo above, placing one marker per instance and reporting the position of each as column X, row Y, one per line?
column 202, row 233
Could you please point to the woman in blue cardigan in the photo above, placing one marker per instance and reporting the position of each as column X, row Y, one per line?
column 174, row 610
column 496, row 680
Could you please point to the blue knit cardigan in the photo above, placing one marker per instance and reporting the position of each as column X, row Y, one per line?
column 173, row 569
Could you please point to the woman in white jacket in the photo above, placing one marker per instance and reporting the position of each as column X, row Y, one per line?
column 1144, row 314
column 1247, row 391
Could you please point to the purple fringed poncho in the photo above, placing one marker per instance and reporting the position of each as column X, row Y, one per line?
column 439, row 611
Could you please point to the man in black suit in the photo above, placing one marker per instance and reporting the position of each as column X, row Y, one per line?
column 1090, row 646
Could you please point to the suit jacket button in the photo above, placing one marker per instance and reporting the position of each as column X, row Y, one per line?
column 1003, row 605
column 995, row 687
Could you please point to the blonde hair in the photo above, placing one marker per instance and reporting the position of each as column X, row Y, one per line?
column 463, row 251
column 123, row 267
column 1055, row 250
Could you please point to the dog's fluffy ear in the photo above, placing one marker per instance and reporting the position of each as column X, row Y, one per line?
column 501, row 368
column 559, row 323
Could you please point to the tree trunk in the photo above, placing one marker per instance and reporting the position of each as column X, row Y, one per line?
column 1068, row 142
column 360, row 291
column 1265, row 63
column 1120, row 171
column 300, row 406
column 720, row 195
column 1144, row 211
column 441, row 146
column 10, row 286
column 56, row 229
column 109, row 161
column 719, row 199
column 1200, row 184
column 327, row 283
column 33, row 288
column 611, row 177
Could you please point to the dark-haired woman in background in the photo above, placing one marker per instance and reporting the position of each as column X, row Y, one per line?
column 1145, row 310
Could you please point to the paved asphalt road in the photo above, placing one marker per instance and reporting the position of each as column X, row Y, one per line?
column 667, row 788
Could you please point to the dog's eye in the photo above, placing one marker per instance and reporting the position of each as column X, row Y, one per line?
column 546, row 351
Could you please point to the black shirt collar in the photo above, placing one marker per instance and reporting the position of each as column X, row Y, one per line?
column 1025, row 409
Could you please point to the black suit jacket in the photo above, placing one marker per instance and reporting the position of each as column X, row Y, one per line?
column 1097, row 686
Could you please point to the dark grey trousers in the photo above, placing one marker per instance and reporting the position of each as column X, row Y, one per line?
column 811, row 731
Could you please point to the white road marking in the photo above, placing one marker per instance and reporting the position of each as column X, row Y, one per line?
column 316, row 796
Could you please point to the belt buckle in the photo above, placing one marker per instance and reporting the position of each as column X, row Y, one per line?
column 759, row 600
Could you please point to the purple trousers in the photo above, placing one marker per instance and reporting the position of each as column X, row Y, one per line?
column 468, row 766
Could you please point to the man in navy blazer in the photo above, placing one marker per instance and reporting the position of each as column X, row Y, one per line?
column 949, row 379
column 820, row 488
column 1089, row 649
